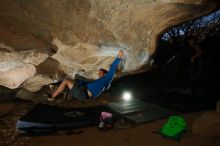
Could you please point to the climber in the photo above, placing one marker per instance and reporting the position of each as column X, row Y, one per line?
column 83, row 90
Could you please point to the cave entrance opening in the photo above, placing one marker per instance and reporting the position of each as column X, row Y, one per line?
column 187, row 68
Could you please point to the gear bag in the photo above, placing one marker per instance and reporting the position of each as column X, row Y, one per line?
column 174, row 127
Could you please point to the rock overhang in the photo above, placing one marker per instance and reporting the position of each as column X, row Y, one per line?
column 81, row 36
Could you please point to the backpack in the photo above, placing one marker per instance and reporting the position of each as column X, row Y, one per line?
column 173, row 128
column 106, row 121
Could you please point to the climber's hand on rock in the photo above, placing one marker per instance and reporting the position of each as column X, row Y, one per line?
column 120, row 53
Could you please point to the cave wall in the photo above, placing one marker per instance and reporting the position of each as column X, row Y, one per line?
column 43, row 40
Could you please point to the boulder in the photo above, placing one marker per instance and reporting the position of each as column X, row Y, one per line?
column 208, row 125
column 35, row 97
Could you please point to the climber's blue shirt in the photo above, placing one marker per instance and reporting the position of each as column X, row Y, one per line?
column 98, row 86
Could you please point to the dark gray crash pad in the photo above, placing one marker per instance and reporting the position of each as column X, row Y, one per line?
column 139, row 111
column 152, row 112
column 129, row 106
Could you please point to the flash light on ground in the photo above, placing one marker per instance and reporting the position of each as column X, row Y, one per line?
column 126, row 96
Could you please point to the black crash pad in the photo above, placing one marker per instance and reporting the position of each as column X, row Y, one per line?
column 45, row 117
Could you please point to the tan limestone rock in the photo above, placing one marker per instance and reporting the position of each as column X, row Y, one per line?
column 84, row 35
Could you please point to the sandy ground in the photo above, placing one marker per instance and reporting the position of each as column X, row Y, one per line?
column 140, row 135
